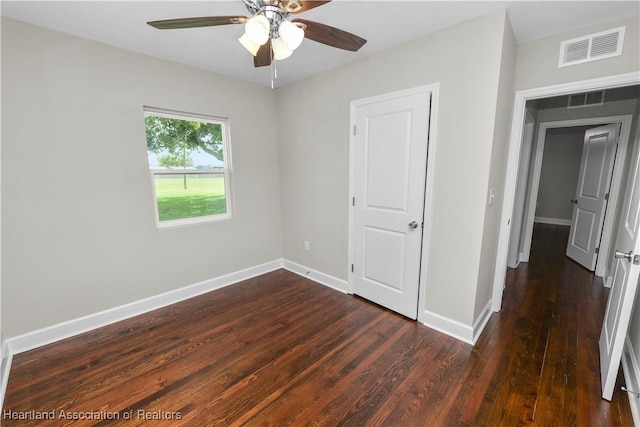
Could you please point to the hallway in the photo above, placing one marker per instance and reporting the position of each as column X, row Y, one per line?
column 558, row 307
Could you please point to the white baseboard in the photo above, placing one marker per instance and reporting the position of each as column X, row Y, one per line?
column 5, row 367
column 48, row 335
column 631, row 379
column 447, row 326
column 316, row 276
column 80, row 325
column 455, row 329
column 481, row 321
column 522, row 257
column 608, row 278
column 44, row 336
column 552, row 221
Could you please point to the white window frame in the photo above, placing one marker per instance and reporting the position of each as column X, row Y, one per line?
column 225, row 170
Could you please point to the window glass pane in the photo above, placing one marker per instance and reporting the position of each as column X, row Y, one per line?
column 179, row 143
column 182, row 196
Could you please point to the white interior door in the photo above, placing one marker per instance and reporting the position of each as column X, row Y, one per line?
column 626, row 272
column 390, row 158
column 594, row 181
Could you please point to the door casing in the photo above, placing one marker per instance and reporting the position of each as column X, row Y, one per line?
column 521, row 98
column 433, row 91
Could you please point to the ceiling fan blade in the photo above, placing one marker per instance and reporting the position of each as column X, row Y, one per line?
column 205, row 21
column 331, row 36
column 306, row 5
column 264, row 55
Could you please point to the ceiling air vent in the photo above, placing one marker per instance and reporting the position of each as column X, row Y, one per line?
column 578, row 100
column 591, row 48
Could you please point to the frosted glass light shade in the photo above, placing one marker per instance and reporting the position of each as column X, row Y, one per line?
column 249, row 45
column 257, row 29
column 291, row 33
column 280, row 49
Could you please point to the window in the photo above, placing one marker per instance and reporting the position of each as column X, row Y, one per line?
column 189, row 165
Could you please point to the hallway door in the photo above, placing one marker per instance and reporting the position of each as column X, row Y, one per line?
column 592, row 193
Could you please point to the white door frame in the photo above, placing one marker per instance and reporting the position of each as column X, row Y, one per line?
column 515, row 254
column 612, row 205
column 433, row 90
column 521, row 99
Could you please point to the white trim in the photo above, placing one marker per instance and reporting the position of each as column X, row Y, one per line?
column 315, row 275
column 515, row 244
column 5, row 369
column 434, row 90
column 48, row 335
column 428, row 197
column 455, row 329
column 608, row 278
column 552, row 221
column 44, row 336
column 521, row 98
column 631, row 378
column 447, row 326
column 481, row 321
column 614, row 190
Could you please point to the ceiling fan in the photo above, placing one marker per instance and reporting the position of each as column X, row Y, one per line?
column 268, row 33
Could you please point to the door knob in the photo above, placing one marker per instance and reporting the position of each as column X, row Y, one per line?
column 627, row 256
column 413, row 225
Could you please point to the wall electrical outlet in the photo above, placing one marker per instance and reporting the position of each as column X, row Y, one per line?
column 306, row 245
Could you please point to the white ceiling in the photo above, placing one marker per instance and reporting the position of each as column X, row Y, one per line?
column 384, row 24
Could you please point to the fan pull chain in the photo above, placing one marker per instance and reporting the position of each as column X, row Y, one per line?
column 274, row 72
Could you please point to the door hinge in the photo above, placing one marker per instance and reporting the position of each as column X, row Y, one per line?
column 606, row 196
column 353, row 201
column 352, row 268
column 354, row 129
column 597, row 250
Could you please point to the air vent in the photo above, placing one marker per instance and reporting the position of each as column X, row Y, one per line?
column 578, row 100
column 591, row 48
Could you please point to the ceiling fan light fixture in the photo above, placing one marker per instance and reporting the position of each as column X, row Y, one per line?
column 257, row 29
column 249, row 45
column 280, row 49
column 291, row 33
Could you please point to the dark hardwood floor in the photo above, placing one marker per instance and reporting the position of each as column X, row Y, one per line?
column 281, row 350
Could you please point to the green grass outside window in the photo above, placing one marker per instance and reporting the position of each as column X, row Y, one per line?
column 204, row 195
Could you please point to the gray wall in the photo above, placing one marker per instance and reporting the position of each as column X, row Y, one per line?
column 538, row 60
column 497, row 170
column 467, row 61
column 559, row 172
column 78, row 227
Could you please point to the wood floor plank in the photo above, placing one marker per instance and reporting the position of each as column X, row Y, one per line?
column 280, row 350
